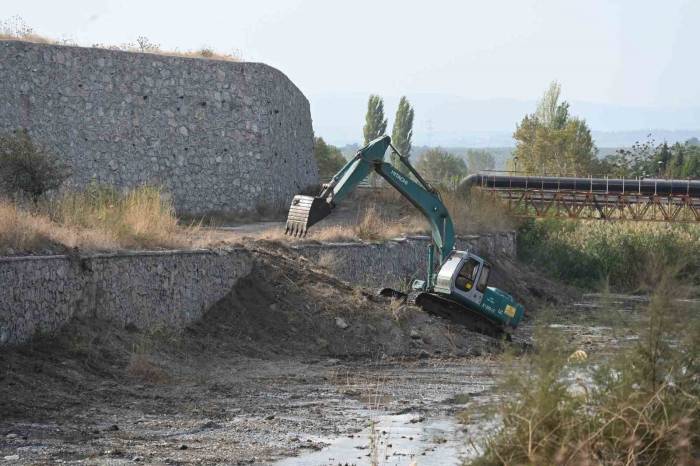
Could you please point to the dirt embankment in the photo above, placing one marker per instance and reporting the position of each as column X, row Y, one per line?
column 239, row 385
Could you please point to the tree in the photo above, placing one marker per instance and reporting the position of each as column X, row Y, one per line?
column 402, row 132
column 328, row 157
column 480, row 159
column 550, row 140
column 27, row 168
column 648, row 159
column 441, row 166
column 375, row 123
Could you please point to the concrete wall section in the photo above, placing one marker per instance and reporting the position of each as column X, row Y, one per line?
column 40, row 294
column 394, row 262
column 220, row 136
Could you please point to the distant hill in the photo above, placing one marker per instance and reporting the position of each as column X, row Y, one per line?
column 453, row 121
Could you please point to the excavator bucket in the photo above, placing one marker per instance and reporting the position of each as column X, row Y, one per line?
column 304, row 212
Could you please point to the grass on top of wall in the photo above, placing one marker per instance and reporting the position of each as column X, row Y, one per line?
column 97, row 219
column 15, row 28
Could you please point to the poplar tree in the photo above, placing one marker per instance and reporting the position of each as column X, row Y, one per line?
column 402, row 131
column 375, row 123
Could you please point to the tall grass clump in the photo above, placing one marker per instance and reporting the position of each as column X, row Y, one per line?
column 477, row 212
column 21, row 231
column 626, row 256
column 642, row 407
column 140, row 217
column 97, row 219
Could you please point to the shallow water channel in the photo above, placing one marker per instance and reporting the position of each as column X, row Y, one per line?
column 412, row 408
column 412, row 415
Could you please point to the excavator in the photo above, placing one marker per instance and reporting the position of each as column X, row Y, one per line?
column 457, row 289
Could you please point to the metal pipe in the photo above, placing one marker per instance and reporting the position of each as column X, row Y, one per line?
column 612, row 185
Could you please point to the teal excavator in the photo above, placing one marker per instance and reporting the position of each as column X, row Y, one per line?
column 457, row 289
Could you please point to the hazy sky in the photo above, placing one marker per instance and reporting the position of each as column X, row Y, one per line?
column 634, row 52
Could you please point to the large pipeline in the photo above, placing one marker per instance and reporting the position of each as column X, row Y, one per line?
column 659, row 187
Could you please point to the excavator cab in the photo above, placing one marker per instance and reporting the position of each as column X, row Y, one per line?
column 463, row 274
column 464, row 278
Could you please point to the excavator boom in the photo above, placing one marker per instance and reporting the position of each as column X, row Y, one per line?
column 305, row 211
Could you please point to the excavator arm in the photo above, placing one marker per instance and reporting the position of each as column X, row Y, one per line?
column 307, row 210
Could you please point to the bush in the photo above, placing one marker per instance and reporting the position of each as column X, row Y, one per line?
column 28, row 169
column 623, row 255
column 640, row 407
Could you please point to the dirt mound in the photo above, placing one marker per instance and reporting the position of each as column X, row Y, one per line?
column 289, row 306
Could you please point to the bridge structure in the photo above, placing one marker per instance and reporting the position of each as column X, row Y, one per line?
column 600, row 198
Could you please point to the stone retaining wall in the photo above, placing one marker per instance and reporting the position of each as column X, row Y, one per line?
column 172, row 288
column 392, row 263
column 220, row 136
column 148, row 289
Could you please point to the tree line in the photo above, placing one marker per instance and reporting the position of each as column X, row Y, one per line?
column 435, row 164
column 549, row 141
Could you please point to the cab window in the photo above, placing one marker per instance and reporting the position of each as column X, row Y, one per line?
column 467, row 274
column 484, row 278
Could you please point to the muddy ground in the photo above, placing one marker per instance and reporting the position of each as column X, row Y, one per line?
column 290, row 361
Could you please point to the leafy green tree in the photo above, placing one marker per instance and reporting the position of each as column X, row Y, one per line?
column 553, row 141
column 375, row 123
column 402, row 132
column 438, row 165
column 328, row 157
column 480, row 159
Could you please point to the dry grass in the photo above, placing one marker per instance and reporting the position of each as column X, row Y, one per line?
column 34, row 38
column 98, row 219
column 16, row 29
column 477, row 212
column 371, row 224
column 21, row 231
column 142, row 217
column 327, row 260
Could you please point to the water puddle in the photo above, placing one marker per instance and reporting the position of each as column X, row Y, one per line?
column 395, row 440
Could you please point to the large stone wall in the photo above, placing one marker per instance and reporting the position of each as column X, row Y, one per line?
column 221, row 136
column 171, row 288
column 149, row 290
column 393, row 263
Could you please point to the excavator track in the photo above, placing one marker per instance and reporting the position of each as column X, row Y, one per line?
column 450, row 310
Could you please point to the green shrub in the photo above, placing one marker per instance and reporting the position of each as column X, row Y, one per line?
column 28, row 169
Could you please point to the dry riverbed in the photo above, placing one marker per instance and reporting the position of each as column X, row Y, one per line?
column 292, row 366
